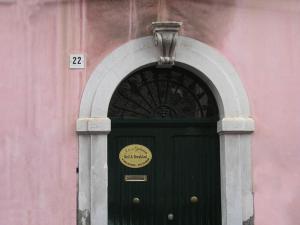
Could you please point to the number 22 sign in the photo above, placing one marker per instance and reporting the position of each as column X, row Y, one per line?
column 77, row 61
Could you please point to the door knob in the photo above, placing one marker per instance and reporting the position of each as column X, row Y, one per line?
column 136, row 200
column 170, row 216
column 194, row 199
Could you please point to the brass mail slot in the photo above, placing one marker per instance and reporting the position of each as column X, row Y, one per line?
column 136, row 178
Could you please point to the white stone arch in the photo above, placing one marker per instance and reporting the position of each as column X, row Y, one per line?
column 235, row 125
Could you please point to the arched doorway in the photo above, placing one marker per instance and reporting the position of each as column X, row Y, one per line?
column 234, row 127
column 173, row 115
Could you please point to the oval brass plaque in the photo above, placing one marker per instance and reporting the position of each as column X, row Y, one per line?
column 135, row 156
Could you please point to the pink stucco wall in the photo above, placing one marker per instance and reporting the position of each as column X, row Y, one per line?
column 40, row 96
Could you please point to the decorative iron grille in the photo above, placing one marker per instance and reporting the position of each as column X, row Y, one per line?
column 162, row 93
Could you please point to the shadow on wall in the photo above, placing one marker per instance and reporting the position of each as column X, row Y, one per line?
column 204, row 20
column 111, row 23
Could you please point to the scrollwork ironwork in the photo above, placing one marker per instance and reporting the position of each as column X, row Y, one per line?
column 162, row 93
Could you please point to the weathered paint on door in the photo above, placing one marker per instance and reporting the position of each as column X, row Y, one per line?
column 184, row 167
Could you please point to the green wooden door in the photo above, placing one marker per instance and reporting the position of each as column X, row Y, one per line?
column 184, row 167
column 173, row 113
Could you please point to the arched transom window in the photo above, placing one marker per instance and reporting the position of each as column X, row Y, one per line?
column 162, row 93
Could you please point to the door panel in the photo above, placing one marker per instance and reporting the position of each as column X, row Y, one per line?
column 122, row 210
column 196, row 174
column 185, row 163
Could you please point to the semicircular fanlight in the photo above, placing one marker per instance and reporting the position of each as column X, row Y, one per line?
column 162, row 93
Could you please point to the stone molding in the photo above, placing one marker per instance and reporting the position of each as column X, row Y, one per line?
column 235, row 125
column 227, row 125
column 165, row 37
column 93, row 125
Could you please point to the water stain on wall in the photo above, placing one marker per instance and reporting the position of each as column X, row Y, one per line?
column 112, row 23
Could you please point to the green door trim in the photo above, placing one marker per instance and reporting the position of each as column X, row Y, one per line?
column 164, row 123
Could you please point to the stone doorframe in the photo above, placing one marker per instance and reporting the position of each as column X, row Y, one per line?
column 234, row 127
